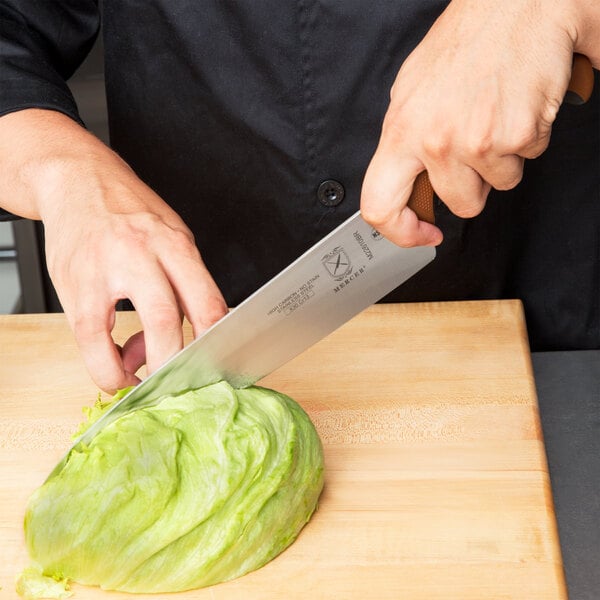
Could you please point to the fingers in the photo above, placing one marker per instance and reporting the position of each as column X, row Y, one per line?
column 133, row 353
column 92, row 329
column 197, row 293
column 177, row 284
column 386, row 189
column 158, row 306
column 462, row 171
column 460, row 187
column 164, row 278
column 89, row 298
column 500, row 173
column 498, row 157
column 159, row 313
column 157, row 300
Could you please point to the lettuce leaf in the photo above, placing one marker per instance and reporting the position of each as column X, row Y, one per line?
column 33, row 584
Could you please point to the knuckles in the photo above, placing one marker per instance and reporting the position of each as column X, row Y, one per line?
column 478, row 146
column 214, row 309
column 183, row 242
column 482, row 143
column 164, row 317
column 374, row 214
column 438, row 145
column 88, row 325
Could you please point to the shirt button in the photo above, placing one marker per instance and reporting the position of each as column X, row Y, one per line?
column 330, row 192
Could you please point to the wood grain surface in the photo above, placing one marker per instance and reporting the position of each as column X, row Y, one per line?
column 436, row 478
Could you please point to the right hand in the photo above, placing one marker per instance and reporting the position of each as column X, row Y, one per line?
column 108, row 237
column 475, row 98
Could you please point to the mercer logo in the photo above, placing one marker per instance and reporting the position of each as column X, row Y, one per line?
column 337, row 263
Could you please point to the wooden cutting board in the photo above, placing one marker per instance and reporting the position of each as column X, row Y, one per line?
column 436, row 478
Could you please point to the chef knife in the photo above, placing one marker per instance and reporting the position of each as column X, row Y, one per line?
column 347, row 271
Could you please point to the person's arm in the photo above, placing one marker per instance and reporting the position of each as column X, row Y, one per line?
column 476, row 97
column 108, row 236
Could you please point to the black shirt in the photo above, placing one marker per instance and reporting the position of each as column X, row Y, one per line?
column 235, row 112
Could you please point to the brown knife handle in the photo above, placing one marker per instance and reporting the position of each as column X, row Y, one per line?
column 581, row 84
column 421, row 198
column 579, row 91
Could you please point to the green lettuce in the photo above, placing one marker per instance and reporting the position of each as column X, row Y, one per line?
column 203, row 487
column 33, row 584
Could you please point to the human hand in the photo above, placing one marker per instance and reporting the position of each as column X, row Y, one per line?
column 474, row 99
column 109, row 237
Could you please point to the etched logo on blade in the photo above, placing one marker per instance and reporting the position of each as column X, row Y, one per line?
column 337, row 263
column 375, row 235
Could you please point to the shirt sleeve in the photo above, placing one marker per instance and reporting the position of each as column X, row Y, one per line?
column 42, row 42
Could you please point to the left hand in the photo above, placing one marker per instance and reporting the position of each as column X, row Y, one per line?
column 476, row 97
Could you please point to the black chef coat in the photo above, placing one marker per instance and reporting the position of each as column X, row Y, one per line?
column 235, row 111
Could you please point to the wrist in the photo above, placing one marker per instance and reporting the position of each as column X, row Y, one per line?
column 49, row 164
column 37, row 149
